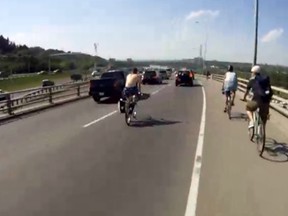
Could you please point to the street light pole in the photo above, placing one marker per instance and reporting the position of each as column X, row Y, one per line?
column 203, row 56
column 256, row 31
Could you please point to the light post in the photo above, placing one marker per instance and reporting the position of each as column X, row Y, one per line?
column 203, row 56
column 256, row 31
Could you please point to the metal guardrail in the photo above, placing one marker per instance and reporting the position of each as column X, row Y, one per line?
column 279, row 101
column 27, row 99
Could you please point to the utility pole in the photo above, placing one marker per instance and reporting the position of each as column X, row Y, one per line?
column 201, row 58
column 256, row 31
column 200, row 55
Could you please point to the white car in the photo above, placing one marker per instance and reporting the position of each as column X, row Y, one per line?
column 95, row 73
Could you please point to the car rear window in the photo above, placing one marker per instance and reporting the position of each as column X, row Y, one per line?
column 163, row 72
column 184, row 72
column 118, row 75
column 150, row 73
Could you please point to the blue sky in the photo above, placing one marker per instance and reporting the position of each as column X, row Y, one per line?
column 146, row 29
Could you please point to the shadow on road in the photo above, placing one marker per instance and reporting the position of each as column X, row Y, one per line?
column 238, row 116
column 188, row 86
column 163, row 83
column 275, row 151
column 150, row 122
column 110, row 100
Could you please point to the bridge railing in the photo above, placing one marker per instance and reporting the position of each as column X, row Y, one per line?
column 280, row 98
column 26, row 100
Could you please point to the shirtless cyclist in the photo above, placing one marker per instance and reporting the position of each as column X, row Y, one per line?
column 133, row 84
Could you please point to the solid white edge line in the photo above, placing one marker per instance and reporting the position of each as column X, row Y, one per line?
column 100, row 119
column 193, row 192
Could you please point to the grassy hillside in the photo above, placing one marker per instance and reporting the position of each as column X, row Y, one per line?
column 22, row 59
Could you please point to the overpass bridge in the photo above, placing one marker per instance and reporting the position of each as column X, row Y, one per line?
column 182, row 157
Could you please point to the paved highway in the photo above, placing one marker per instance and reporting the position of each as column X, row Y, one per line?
column 81, row 159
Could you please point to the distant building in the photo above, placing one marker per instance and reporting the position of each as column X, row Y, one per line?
column 129, row 60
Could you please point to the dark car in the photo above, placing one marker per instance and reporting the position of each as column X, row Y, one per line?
column 110, row 84
column 47, row 82
column 184, row 77
column 151, row 77
column 3, row 96
column 76, row 77
column 164, row 74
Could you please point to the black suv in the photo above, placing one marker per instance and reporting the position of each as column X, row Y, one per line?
column 184, row 77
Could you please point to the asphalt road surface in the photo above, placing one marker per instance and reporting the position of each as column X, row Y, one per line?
column 82, row 159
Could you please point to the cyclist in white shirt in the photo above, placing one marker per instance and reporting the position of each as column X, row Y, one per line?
column 230, row 85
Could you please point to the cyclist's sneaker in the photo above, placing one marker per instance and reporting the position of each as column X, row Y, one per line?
column 251, row 124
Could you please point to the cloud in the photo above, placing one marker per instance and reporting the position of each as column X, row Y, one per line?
column 202, row 13
column 272, row 35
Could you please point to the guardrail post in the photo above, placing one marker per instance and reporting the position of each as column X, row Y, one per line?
column 50, row 96
column 78, row 90
column 9, row 104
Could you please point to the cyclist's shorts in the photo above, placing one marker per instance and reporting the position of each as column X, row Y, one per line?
column 130, row 91
column 263, row 109
column 228, row 93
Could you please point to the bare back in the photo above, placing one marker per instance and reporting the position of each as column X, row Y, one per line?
column 132, row 80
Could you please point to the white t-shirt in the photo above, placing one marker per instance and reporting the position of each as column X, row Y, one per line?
column 230, row 80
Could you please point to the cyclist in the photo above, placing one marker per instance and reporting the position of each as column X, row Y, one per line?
column 132, row 87
column 208, row 75
column 133, row 84
column 230, row 84
column 262, row 94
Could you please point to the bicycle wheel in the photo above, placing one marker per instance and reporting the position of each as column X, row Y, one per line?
column 229, row 107
column 127, row 112
column 251, row 131
column 260, row 140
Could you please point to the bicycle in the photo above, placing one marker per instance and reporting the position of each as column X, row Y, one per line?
column 257, row 133
column 228, row 106
column 130, row 112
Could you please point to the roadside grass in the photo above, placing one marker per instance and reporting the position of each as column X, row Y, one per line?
column 31, row 82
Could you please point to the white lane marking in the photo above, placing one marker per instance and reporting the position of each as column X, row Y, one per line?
column 100, row 119
column 155, row 92
column 193, row 192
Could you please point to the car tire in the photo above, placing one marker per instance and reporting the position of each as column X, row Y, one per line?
column 96, row 98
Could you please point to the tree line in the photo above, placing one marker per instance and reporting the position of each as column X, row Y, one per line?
column 15, row 59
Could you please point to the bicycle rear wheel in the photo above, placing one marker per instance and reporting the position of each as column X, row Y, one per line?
column 127, row 112
column 261, row 137
column 229, row 107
